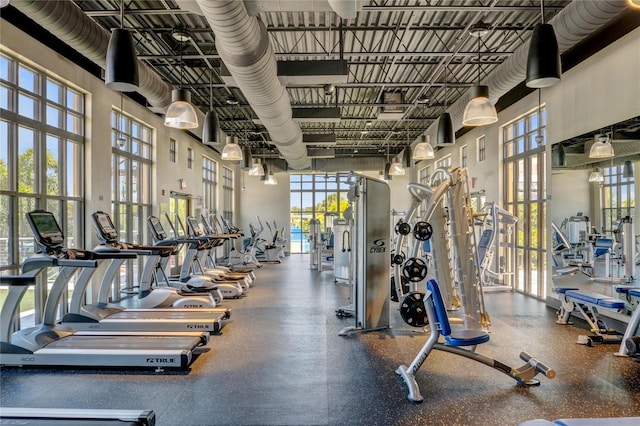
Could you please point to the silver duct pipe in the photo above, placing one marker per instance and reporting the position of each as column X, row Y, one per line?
column 70, row 24
column 573, row 24
column 243, row 44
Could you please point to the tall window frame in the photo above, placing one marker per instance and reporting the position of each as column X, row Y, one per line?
column 190, row 158
column 173, row 150
column 42, row 161
column 618, row 196
column 481, row 148
column 525, row 194
column 209, row 184
column 132, row 143
column 464, row 159
column 227, row 193
column 313, row 196
column 444, row 162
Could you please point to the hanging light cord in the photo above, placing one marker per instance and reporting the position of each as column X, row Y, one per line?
column 211, row 91
column 540, row 112
column 479, row 46
column 121, row 14
column 446, row 77
column 120, row 118
column 542, row 10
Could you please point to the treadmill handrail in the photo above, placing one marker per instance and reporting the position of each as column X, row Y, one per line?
column 47, row 262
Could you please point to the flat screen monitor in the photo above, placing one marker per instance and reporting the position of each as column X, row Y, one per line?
column 45, row 227
column 106, row 226
column 157, row 228
column 195, row 227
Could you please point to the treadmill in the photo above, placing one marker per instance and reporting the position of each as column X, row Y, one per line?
column 75, row 417
column 105, row 317
column 52, row 345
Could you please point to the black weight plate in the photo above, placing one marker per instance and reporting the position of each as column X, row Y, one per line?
column 414, row 270
column 412, row 310
column 403, row 228
column 422, row 231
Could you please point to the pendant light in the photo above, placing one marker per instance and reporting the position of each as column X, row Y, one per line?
column 256, row 168
column 387, row 167
column 558, row 156
column 445, row 135
column 479, row 110
column 246, row 162
column 543, row 61
column 121, row 70
column 181, row 114
column 396, row 169
column 265, row 171
column 602, row 147
column 211, row 125
column 270, row 177
column 231, row 150
column 627, row 169
column 407, row 155
column 596, row 176
column 423, row 150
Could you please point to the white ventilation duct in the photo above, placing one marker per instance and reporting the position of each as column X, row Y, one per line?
column 572, row 25
column 243, row 44
column 70, row 24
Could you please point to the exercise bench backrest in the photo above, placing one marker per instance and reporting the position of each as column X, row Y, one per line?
column 603, row 246
column 483, row 244
column 438, row 305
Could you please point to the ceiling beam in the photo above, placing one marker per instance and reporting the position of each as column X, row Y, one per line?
column 366, row 9
column 334, row 55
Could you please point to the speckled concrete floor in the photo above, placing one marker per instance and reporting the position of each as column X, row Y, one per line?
column 281, row 361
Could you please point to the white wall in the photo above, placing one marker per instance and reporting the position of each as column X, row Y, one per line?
column 99, row 103
column 571, row 193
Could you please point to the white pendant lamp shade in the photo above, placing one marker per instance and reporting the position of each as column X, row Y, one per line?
column 543, row 61
column 256, row 168
column 121, row 70
column 479, row 110
column 396, row 169
column 596, row 176
column 232, row 151
column 271, row 178
column 602, row 148
column 423, row 150
column 181, row 114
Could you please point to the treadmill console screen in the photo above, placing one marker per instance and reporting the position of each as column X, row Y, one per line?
column 157, row 228
column 195, row 227
column 205, row 225
column 45, row 228
column 106, row 226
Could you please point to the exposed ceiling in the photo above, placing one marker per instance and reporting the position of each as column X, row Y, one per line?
column 401, row 49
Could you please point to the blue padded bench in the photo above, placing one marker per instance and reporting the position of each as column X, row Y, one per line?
column 596, row 299
column 587, row 303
